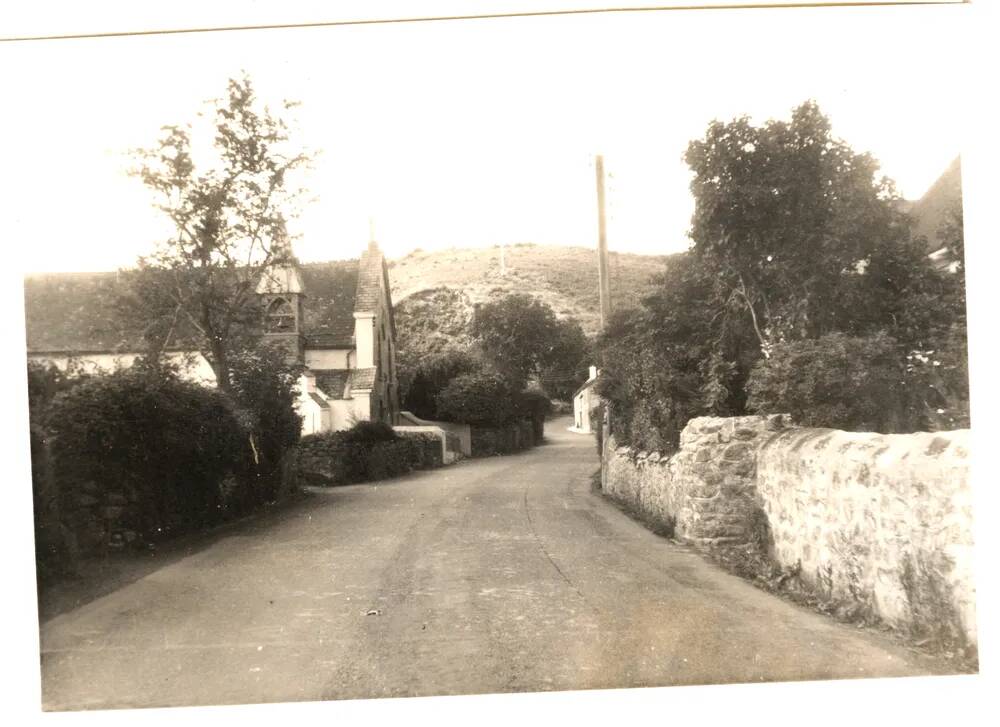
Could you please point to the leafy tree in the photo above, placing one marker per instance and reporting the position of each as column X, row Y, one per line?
column 523, row 339
column 799, row 251
column 427, row 378
column 785, row 215
column 229, row 218
column 653, row 360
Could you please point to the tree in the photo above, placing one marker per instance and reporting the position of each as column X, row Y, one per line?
column 428, row 377
column 523, row 338
column 785, row 215
column 229, row 218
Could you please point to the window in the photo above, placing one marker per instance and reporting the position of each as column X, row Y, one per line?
column 280, row 316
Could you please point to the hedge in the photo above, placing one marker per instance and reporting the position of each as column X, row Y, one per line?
column 369, row 451
column 139, row 455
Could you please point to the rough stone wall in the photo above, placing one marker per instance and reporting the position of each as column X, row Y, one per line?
column 880, row 522
column 705, row 492
column 884, row 521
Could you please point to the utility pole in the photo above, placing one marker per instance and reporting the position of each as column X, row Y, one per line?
column 602, row 247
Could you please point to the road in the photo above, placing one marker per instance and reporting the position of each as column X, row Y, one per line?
column 496, row 575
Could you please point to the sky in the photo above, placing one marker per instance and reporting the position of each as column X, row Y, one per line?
column 469, row 133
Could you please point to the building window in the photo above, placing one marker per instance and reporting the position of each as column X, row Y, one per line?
column 280, row 316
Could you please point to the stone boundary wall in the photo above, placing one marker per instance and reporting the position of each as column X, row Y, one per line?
column 884, row 521
column 704, row 493
column 881, row 522
column 462, row 432
column 450, row 446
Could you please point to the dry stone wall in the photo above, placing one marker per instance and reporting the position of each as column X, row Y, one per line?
column 881, row 522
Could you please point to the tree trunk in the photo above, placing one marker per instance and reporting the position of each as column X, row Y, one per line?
column 220, row 366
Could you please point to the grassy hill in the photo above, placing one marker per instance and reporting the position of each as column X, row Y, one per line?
column 452, row 281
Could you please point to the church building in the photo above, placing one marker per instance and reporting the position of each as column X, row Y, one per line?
column 335, row 318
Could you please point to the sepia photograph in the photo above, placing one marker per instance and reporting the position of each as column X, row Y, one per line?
column 393, row 350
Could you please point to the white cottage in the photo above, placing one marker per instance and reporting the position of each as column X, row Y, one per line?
column 335, row 318
column 584, row 401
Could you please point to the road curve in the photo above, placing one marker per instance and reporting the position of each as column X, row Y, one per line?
column 495, row 575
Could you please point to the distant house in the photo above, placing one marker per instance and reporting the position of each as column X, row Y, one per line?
column 584, row 401
column 334, row 318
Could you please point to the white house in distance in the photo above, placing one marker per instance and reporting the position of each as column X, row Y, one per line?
column 335, row 318
column 584, row 400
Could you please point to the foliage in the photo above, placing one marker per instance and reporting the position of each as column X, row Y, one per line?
column 229, row 220
column 45, row 381
column 431, row 375
column 368, row 451
column 167, row 441
column 481, row 398
column 857, row 384
column 795, row 240
column 652, row 360
column 264, row 391
column 568, row 364
column 784, row 215
column 521, row 336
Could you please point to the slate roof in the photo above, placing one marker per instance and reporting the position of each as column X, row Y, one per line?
column 362, row 379
column 76, row 312
column 335, row 383
column 332, row 382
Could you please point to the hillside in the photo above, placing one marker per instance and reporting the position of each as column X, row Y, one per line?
column 563, row 277
column 931, row 210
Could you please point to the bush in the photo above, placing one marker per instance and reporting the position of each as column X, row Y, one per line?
column 535, row 405
column 368, row 451
column 165, row 442
column 431, row 376
column 856, row 384
column 481, row 399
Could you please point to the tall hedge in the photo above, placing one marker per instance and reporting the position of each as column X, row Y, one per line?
column 167, row 442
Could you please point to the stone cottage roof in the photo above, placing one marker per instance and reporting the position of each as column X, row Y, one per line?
column 332, row 382
column 339, row 383
column 75, row 313
column 362, row 379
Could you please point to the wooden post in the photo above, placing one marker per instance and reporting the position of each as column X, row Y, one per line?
column 602, row 247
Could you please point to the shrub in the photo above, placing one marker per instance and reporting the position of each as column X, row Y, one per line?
column 264, row 390
column 481, row 399
column 166, row 442
column 856, row 384
column 433, row 374
column 368, row 451
column 535, row 405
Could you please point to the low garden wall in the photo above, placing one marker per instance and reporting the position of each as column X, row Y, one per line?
column 883, row 522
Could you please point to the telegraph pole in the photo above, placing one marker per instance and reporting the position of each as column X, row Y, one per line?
column 602, row 247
